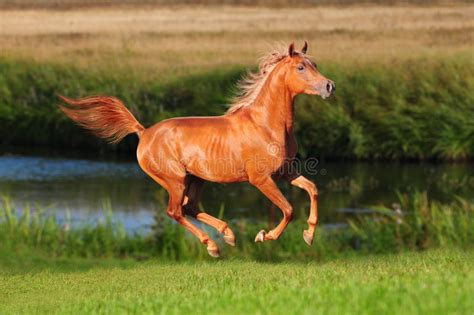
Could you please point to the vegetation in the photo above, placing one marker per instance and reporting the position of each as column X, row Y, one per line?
column 43, row 270
column 416, row 109
column 404, row 74
column 434, row 282
column 425, row 225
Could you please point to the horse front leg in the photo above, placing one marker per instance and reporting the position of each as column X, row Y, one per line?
column 304, row 183
column 268, row 187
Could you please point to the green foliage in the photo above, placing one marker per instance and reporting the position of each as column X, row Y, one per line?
column 415, row 109
column 418, row 109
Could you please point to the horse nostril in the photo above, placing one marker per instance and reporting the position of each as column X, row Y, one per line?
column 329, row 87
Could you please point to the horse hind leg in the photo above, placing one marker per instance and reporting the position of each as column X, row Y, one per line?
column 175, row 211
column 191, row 207
column 176, row 186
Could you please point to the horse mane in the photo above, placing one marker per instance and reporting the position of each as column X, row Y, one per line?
column 251, row 84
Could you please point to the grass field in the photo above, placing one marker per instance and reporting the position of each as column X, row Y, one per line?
column 74, row 4
column 172, row 41
column 433, row 282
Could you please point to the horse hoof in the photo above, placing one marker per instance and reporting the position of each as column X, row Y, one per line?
column 308, row 237
column 213, row 252
column 260, row 236
column 229, row 239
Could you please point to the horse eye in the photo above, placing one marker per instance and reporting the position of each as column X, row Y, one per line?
column 300, row 68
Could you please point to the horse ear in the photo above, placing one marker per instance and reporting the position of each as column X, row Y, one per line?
column 291, row 50
column 305, row 47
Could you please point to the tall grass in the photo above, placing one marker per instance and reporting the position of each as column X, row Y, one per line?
column 423, row 225
column 415, row 109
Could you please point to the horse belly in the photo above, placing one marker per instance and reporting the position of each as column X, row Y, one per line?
column 215, row 161
column 220, row 170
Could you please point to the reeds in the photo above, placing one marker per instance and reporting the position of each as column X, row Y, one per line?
column 422, row 224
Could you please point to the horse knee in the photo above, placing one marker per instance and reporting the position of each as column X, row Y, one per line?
column 313, row 190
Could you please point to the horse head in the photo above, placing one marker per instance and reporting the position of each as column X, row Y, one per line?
column 303, row 77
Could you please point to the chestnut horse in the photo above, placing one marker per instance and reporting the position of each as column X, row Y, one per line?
column 252, row 142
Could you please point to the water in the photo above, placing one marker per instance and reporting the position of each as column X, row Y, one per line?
column 80, row 188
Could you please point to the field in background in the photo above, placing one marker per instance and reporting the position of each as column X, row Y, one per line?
column 73, row 4
column 172, row 41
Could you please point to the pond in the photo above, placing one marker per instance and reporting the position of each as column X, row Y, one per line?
column 81, row 188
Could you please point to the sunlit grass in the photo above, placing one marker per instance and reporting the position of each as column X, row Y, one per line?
column 46, row 266
column 433, row 282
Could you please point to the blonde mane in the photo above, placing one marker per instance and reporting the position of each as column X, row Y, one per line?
column 252, row 83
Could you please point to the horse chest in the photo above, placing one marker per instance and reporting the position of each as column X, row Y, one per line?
column 275, row 155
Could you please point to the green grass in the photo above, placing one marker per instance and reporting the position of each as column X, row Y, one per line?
column 374, row 267
column 433, row 282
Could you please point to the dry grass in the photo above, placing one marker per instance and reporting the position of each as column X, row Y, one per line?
column 181, row 40
column 74, row 4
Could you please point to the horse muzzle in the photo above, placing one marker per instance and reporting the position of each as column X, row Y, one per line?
column 326, row 89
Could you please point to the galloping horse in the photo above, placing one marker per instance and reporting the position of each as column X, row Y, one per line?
column 252, row 142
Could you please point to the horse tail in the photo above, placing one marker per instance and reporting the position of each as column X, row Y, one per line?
column 106, row 117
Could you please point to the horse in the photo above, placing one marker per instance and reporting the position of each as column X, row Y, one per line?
column 252, row 142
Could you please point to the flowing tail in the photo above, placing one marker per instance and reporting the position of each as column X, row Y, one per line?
column 106, row 117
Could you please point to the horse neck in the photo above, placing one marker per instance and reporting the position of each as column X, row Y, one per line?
column 274, row 105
